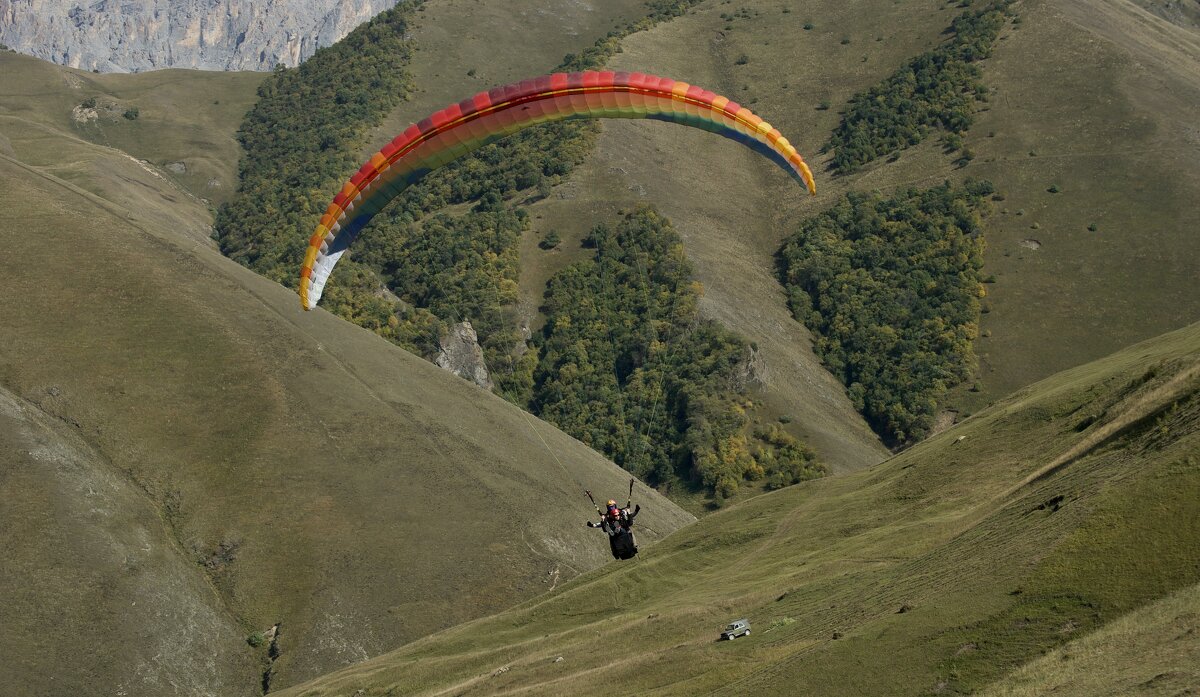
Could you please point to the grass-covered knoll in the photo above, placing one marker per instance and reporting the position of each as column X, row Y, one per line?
column 936, row 90
column 630, row 368
column 890, row 287
column 913, row 568
column 183, row 122
column 1152, row 650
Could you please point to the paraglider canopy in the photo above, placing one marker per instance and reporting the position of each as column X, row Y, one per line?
column 488, row 116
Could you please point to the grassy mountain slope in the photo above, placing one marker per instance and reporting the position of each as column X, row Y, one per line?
column 74, row 524
column 294, row 468
column 1106, row 108
column 1116, row 135
column 730, row 205
column 1152, row 650
column 1184, row 14
column 184, row 126
column 1053, row 512
column 464, row 47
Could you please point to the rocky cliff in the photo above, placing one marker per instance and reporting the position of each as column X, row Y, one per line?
column 462, row 355
column 121, row 36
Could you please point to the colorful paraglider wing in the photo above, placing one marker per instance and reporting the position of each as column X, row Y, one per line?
column 489, row 116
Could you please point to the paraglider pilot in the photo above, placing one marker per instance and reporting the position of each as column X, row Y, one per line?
column 616, row 523
column 614, row 520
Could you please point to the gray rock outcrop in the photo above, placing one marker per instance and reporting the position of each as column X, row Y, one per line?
column 462, row 355
column 112, row 36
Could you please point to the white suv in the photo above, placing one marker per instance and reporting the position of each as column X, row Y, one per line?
column 736, row 629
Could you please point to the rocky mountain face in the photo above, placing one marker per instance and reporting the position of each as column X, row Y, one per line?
column 124, row 36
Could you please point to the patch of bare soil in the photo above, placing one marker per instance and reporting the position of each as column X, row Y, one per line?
column 944, row 420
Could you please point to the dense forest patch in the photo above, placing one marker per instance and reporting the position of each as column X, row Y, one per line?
column 890, row 288
column 629, row 368
column 935, row 90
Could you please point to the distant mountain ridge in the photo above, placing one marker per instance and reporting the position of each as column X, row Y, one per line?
column 121, row 37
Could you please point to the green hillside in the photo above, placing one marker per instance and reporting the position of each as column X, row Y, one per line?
column 190, row 460
column 208, row 491
column 182, row 128
column 1029, row 525
column 1094, row 101
column 1152, row 650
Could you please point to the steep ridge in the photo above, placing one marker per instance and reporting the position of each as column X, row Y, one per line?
column 942, row 568
column 309, row 472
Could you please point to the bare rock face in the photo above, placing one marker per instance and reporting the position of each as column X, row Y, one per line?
column 462, row 355
column 752, row 371
column 121, row 36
